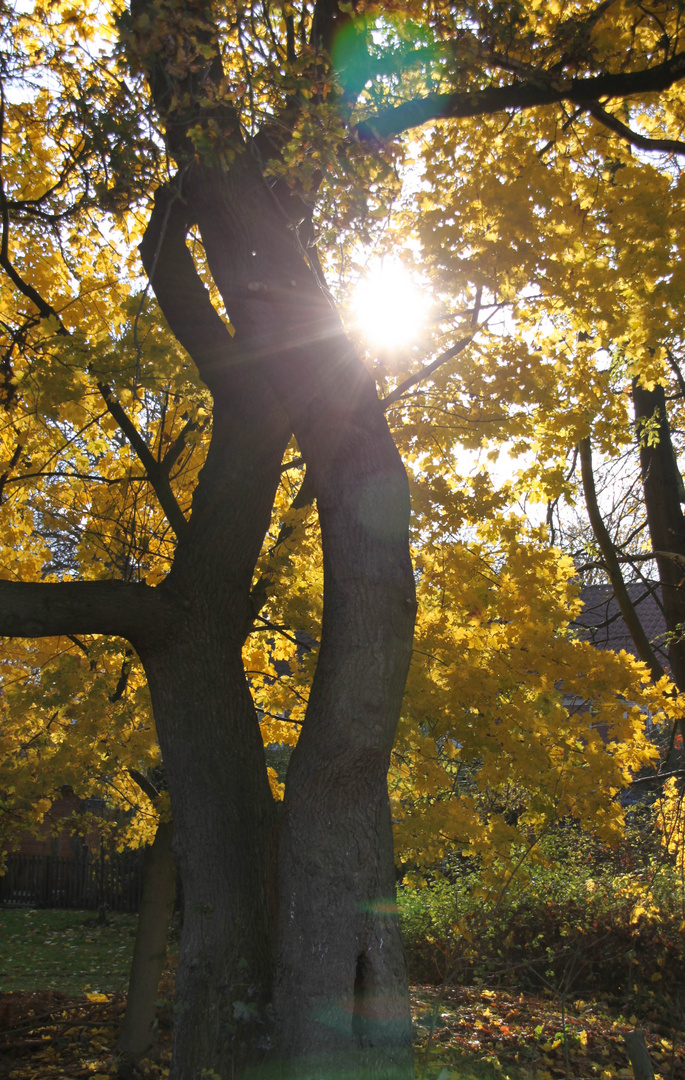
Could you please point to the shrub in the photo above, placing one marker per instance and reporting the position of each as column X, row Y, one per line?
column 583, row 920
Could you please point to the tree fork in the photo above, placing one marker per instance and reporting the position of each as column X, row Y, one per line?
column 336, row 848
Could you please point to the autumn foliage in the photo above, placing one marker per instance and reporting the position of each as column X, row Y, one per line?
column 521, row 163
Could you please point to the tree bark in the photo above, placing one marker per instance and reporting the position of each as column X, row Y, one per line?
column 46, row 609
column 138, row 1034
column 341, row 997
column 223, row 811
column 224, row 844
column 662, row 485
column 341, row 991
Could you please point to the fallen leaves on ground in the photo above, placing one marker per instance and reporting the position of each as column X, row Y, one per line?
column 65, row 950
column 45, row 1035
column 465, row 1031
column 515, row 1034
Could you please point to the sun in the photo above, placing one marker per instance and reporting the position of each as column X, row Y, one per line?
column 389, row 308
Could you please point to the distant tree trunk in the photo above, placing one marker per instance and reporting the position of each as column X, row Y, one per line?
column 149, row 952
column 662, row 486
column 613, row 566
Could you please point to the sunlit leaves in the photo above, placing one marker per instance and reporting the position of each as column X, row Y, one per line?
column 553, row 252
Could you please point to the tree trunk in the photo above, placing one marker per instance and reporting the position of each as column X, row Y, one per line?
column 341, row 996
column 662, row 486
column 224, row 843
column 223, row 812
column 149, row 952
column 341, row 993
column 613, row 566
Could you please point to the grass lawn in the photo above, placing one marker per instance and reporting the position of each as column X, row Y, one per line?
column 65, row 951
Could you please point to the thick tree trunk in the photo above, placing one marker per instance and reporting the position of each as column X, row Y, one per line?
column 149, row 952
column 662, row 486
column 223, row 811
column 224, row 844
column 341, row 996
column 341, row 993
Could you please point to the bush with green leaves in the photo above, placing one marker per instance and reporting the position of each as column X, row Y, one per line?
column 582, row 919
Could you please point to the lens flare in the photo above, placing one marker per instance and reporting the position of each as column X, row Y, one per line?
column 389, row 308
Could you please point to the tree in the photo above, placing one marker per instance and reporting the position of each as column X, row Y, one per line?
column 259, row 131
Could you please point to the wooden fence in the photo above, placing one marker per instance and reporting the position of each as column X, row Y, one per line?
column 113, row 880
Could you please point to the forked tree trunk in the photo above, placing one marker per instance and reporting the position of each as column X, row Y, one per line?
column 340, row 994
column 341, row 998
column 138, row 1033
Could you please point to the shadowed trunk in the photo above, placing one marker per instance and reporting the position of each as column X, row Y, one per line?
column 223, row 812
column 341, row 998
column 138, row 1034
column 224, row 824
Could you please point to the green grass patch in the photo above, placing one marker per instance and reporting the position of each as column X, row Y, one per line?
column 65, row 951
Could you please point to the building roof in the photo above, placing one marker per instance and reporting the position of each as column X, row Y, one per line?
column 602, row 623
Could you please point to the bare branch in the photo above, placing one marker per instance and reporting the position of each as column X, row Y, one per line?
column 144, row 784
column 156, row 472
column 425, row 371
column 122, row 681
column 666, row 146
column 284, row 633
column 606, row 546
column 542, row 89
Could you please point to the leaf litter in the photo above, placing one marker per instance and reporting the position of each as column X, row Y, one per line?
column 459, row 1032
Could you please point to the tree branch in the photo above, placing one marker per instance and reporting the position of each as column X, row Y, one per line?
column 606, row 546
column 46, row 609
column 425, row 371
column 667, row 146
column 177, row 447
column 259, row 593
column 157, row 474
column 144, row 784
column 541, row 90
column 643, row 556
column 183, row 298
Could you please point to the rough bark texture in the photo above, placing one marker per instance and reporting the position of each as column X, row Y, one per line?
column 223, row 811
column 338, row 936
column 224, row 824
column 149, row 952
column 662, row 485
column 340, row 999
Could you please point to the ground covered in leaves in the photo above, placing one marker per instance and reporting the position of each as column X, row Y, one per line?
column 471, row 1031
column 63, row 976
column 465, row 1032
